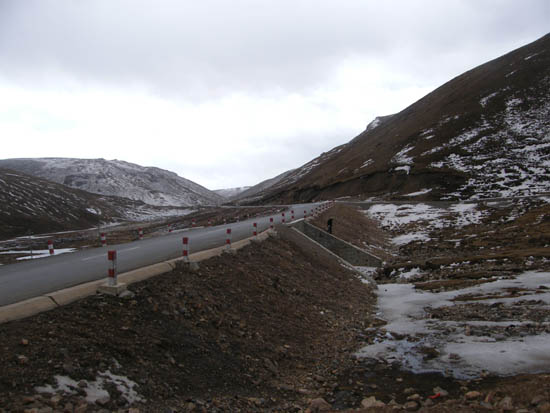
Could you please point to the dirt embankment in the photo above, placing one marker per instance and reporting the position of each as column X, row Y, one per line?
column 267, row 328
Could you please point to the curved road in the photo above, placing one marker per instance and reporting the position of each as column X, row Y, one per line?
column 41, row 276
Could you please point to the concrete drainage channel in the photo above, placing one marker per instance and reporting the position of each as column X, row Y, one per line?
column 349, row 255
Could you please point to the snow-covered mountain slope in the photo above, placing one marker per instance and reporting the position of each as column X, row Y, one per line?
column 483, row 134
column 154, row 186
column 231, row 193
column 34, row 205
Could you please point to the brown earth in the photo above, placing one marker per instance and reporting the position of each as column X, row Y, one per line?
column 272, row 328
column 273, row 323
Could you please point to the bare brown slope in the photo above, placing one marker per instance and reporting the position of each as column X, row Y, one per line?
column 31, row 205
column 436, row 128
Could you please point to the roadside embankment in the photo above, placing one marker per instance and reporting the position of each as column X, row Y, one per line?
column 268, row 327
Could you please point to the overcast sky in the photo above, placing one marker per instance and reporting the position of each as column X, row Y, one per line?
column 229, row 93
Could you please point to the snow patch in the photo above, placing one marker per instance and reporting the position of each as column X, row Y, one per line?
column 95, row 390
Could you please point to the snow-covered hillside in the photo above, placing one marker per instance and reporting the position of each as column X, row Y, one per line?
column 154, row 186
column 484, row 134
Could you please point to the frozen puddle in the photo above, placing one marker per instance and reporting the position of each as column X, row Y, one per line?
column 422, row 344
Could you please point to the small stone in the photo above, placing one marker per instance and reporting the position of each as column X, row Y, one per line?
column 399, row 380
column 471, row 395
column 442, row 392
column 45, row 410
column 82, row 384
column 506, row 404
column 408, row 391
column 133, row 410
column 416, row 397
column 102, row 401
column 24, row 342
column 81, row 408
column 28, row 399
column 371, row 402
column 486, row 405
column 256, row 401
column 127, row 294
column 535, row 401
column 55, row 399
column 319, row 405
column 490, row 397
column 411, row 406
column 68, row 408
column 22, row 359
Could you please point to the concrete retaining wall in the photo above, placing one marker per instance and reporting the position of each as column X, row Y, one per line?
column 343, row 249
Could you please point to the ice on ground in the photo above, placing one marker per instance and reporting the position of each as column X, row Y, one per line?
column 367, row 272
column 418, row 193
column 95, row 390
column 460, row 355
column 405, row 168
column 38, row 253
column 395, row 217
column 407, row 238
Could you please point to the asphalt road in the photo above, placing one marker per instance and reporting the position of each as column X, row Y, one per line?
column 41, row 276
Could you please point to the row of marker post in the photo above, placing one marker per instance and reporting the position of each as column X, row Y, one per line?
column 112, row 254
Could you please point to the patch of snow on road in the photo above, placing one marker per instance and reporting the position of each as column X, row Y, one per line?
column 38, row 253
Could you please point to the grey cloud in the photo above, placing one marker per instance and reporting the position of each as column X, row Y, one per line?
column 209, row 48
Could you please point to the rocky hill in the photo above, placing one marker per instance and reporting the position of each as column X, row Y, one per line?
column 31, row 205
column 154, row 186
column 485, row 133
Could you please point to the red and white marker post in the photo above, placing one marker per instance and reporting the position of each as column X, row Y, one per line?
column 209, row 222
column 305, row 213
column 193, row 222
column 292, row 216
column 185, row 252
column 271, row 223
column 103, row 240
column 140, row 233
column 283, row 218
column 50, row 247
column 111, row 256
column 228, row 239
column 255, row 229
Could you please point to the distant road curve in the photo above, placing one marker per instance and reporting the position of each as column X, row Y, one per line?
column 37, row 277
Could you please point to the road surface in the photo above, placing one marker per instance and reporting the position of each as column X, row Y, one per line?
column 41, row 276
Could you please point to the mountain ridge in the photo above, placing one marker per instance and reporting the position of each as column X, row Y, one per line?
column 482, row 134
column 152, row 185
